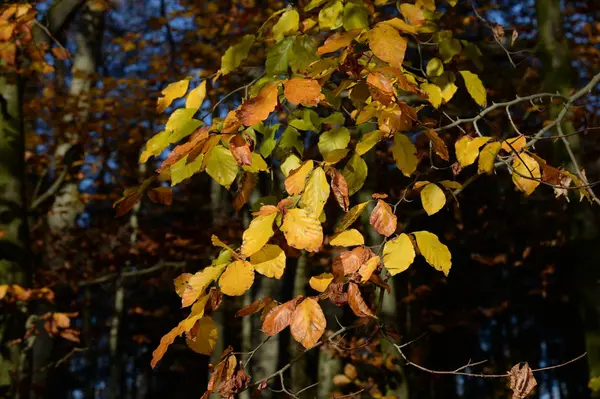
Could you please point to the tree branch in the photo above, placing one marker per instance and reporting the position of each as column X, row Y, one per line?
column 132, row 273
column 52, row 190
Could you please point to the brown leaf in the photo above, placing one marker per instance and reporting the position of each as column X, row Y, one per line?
column 261, row 387
column 237, row 383
column 381, row 88
column 257, row 109
column 383, row 219
column 522, row 381
column 240, row 149
column 279, row 318
column 231, row 124
column 165, row 341
column 308, row 323
column 357, row 303
column 438, row 144
column 126, row 204
column 378, row 196
column 214, row 300
column 349, row 262
column 350, row 371
column 195, row 142
column 245, row 187
column 339, row 186
column 254, row 307
column 336, row 294
column 303, row 91
column 338, row 41
column 161, row 195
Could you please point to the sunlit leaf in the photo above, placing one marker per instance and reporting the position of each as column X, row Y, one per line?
column 387, row 44
column 357, row 302
column 257, row 234
column 348, row 238
column 286, row 25
column 398, row 254
column 349, row 262
column 413, row 14
column 526, row 173
column 237, row 278
column 315, row 193
column 367, row 269
column 383, row 219
column 195, row 98
column 301, row 230
column 334, row 139
column 235, row 54
column 432, row 198
column 339, row 186
column 257, row 109
column 269, row 261
column 330, row 16
column 308, row 323
column 434, row 93
column 467, row 149
column 514, row 144
column 321, row 282
column 222, row 166
column 405, row 154
column 475, row 87
column 487, row 157
column 279, row 317
column 337, row 41
column 290, row 164
column 170, row 93
column 435, row 253
column 296, row 180
column 303, row 91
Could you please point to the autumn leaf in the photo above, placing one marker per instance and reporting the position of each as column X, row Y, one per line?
column 321, row 282
column 257, row 109
column 487, row 157
column 398, row 254
column 170, row 93
column 339, row 186
column 435, row 253
column 434, row 93
column 240, row 149
column 514, row 144
column 222, row 166
column 296, row 180
column 357, row 303
column 349, row 262
column 526, row 173
column 195, row 98
column 279, row 317
column 413, row 14
column 301, row 230
column 338, row 41
column 257, row 234
column 381, row 88
column 367, row 269
column 348, row 238
column 383, row 219
column 350, row 217
column 269, row 261
column 433, row 198
column 330, row 16
column 368, row 141
column 521, row 380
column 387, row 44
column 235, row 54
column 196, row 313
column 308, row 323
column 203, row 337
column 255, row 307
column 355, row 172
column 237, row 278
column 405, row 154
column 467, row 149
column 306, row 92
column 286, row 25
column 475, row 87
column 315, row 193
column 197, row 283
column 246, row 186
column 438, row 144
column 164, row 344
column 400, row 25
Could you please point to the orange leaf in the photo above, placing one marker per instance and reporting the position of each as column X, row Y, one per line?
column 438, row 144
column 196, row 141
column 413, row 14
column 165, row 341
column 339, row 186
column 387, row 44
column 381, row 88
column 126, row 204
column 294, row 183
column 308, row 323
column 349, row 262
column 161, row 195
column 254, row 307
column 357, row 303
column 383, row 219
column 240, row 149
column 245, row 188
column 231, row 124
column 60, row 52
column 266, row 210
column 279, row 317
column 337, row 41
column 257, row 109
column 303, row 91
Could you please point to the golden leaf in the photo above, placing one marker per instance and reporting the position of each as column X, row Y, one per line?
column 514, row 143
column 204, row 336
column 467, row 149
column 435, row 253
column 269, row 261
column 315, row 193
column 433, row 198
column 237, row 278
column 487, row 157
column 526, row 173
column 302, row 230
column 321, row 282
column 475, row 87
column 303, row 91
column 387, row 44
column 257, row 234
column 257, row 109
column 338, row 41
column 413, row 14
column 308, row 323
column 294, row 183
column 195, row 98
column 405, row 154
column 368, row 268
column 170, row 93
column 347, row 238
column 398, row 254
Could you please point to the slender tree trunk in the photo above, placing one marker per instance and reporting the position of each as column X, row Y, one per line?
column 300, row 373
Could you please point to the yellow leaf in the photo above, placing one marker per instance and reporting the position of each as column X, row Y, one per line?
column 308, row 323
column 197, row 283
column 368, row 141
column 195, row 98
column 237, row 278
column 196, row 314
column 335, row 156
column 526, row 174
column 315, row 193
column 269, row 261
column 398, row 254
column 258, row 164
column 368, row 268
column 347, row 238
column 514, row 143
column 401, row 25
column 467, row 149
column 302, row 230
column 387, row 44
column 475, row 87
column 413, row 14
column 320, row 282
column 433, row 198
column 170, row 93
column 287, row 25
column 350, row 217
column 235, row 54
column 204, row 337
column 338, row 41
column 487, row 157
column 290, row 164
column 435, row 253
column 451, row 185
column 435, row 67
column 179, row 118
column 294, row 184
column 216, row 241
column 405, row 154
column 257, row 234
column 434, row 93
column 222, row 166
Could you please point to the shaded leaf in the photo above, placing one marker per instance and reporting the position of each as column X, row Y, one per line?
column 269, row 261
column 350, row 217
column 286, row 25
column 204, row 336
column 235, row 54
column 438, row 144
column 355, row 172
column 339, row 186
column 475, row 87
column 357, row 303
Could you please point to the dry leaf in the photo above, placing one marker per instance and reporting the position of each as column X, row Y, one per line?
column 308, row 323
column 257, row 109
column 240, row 149
column 339, row 186
column 522, row 380
column 303, row 91
column 357, row 303
column 279, row 317
column 383, row 219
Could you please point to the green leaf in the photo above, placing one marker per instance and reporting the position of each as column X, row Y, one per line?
column 314, row 4
column 258, row 164
column 306, row 120
column 188, row 128
column 449, row 48
column 434, row 93
column 368, row 141
column 179, row 118
column 292, row 162
column 435, row 68
column 156, row 145
column 304, row 53
column 182, row 170
column 334, row 119
column 355, row 17
column 355, row 172
column 334, row 139
column 594, row 384
column 287, row 25
column 331, row 16
column 268, row 142
column 235, row 54
column 291, row 138
column 405, row 154
column 278, row 56
column 475, row 87
column 221, row 166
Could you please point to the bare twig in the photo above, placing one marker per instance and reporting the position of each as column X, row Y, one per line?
column 132, row 273
column 52, row 190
